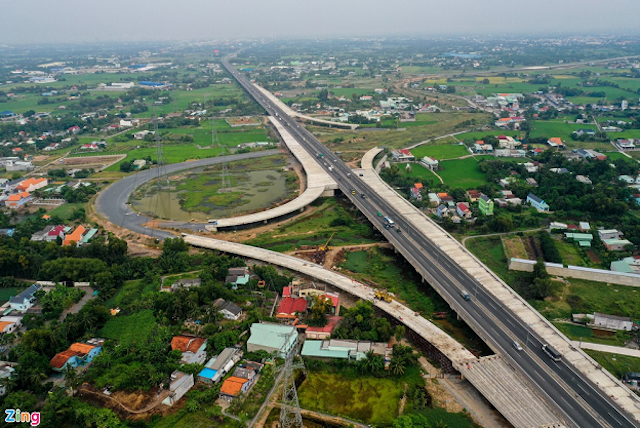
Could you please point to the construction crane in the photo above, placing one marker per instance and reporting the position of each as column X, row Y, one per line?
column 319, row 255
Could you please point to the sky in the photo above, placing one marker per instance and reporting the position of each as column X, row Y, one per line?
column 55, row 21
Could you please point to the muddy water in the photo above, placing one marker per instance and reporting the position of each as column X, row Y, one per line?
column 260, row 190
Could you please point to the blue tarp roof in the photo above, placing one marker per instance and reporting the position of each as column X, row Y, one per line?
column 208, row 373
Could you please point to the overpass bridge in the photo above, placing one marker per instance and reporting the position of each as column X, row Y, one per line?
column 319, row 183
column 493, row 377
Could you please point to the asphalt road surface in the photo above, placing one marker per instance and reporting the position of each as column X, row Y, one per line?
column 580, row 402
column 112, row 202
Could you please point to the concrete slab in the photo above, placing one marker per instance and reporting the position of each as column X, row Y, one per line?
column 607, row 348
column 491, row 282
column 318, row 182
column 508, row 393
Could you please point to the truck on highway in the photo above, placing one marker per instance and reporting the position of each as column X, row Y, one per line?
column 465, row 295
column 551, row 352
column 389, row 221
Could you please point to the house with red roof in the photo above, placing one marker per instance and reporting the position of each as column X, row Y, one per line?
column 31, row 184
column 78, row 354
column 323, row 333
column 74, row 129
column 463, row 210
column 193, row 348
column 402, row 155
column 17, row 200
column 290, row 307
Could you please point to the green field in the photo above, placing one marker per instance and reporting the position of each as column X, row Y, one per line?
column 129, row 329
column 617, row 365
column 364, row 398
column 549, row 129
column 65, row 211
column 417, row 171
column 440, row 152
column 6, row 293
column 582, row 333
column 462, row 173
column 478, row 135
column 315, row 229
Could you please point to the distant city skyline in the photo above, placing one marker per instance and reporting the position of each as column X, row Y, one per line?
column 63, row 21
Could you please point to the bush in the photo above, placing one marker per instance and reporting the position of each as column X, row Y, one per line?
column 549, row 249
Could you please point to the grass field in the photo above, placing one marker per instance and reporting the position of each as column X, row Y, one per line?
column 134, row 328
column 364, row 398
column 541, row 128
column 462, row 173
column 6, row 293
column 316, row 228
column 65, row 211
column 478, row 135
column 418, row 172
column 440, row 152
column 579, row 332
column 617, row 365
column 569, row 252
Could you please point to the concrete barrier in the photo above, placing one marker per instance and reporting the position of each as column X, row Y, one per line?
column 579, row 272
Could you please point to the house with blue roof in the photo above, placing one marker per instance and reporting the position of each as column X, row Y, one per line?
column 537, row 203
column 217, row 367
column 24, row 300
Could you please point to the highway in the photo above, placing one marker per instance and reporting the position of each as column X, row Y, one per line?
column 581, row 403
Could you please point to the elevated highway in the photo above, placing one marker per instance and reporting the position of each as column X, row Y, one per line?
column 319, row 183
column 580, row 399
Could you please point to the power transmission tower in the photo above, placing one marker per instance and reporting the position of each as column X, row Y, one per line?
column 290, row 416
column 225, row 185
column 160, row 170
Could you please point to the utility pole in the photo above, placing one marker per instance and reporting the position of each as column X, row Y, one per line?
column 290, row 416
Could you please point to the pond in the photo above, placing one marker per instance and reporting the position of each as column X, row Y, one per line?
column 197, row 195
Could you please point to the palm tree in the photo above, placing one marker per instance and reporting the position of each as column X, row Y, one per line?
column 397, row 367
column 71, row 379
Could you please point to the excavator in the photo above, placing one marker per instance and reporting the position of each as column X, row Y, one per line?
column 383, row 295
column 319, row 255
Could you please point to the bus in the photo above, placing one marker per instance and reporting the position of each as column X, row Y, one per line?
column 555, row 355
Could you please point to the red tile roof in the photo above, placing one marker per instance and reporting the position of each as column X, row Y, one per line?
column 233, row 385
column 332, row 321
column 289, row 305
column 61, row 358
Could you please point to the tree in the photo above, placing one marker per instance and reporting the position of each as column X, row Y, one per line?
column 400, row 332
column 71, row 379
column 321, row 305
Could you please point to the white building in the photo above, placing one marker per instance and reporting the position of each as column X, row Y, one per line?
column 181, row 383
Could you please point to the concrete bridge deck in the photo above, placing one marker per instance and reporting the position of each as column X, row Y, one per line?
column 275, row 100
column 319, row 183
column 484, row 372
column 460, row 357
column 503, row 293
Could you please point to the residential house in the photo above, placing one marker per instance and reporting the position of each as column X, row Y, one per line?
column 140, row 135
column 580, row 132
column 237, row 276
column 31, row 184
column 609, row 234
column 555, row 142
column 402, row 155
column 463, row 210
column 584, row 226
column 290, row 307
column 559, row 170
column 8, row 326
column 617, row 244
column 41, row 235
column 217, row 367
column 537, row 203
column 180, row 384
column 343, row 349
column 333, row 297
column 589, row 154
column 557, row 225
column 78, row 354
column 17, row 200
column 52, row 146
column 139, row 163
column 193, row 348
column 485, row 205
column 583, row 239
column 75, row 236
column 627, row 265
column 229, row 310
column 430, row 163
column 626, row 144
column 629, row 179
column 272, row 338
column 532, row 182
column 415, row 194
column 481, row 147
column 442, row 211
column 242, row 380
column 473, row 195
column 182, row 283
column 612, row 322
column 322, row 333
column 434, row 200
column 25, row 299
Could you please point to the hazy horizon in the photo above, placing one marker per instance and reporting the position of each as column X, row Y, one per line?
column 74, row 21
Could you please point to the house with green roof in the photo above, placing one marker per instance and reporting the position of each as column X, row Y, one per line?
column 583, row 239
column 272, row 338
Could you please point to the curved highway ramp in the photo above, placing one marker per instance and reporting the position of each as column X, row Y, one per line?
column 498, row 382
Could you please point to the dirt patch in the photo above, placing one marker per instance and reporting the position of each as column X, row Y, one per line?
column 593, row 256
column 40, row 158
column 90, row 160
column 513, row 247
